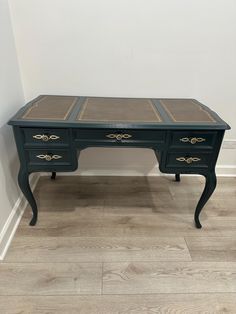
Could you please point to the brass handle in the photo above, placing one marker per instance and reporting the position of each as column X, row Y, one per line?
column 119, row 136
column 188, row 160
column 192, row 140
column 49, row 157
column 45, row 137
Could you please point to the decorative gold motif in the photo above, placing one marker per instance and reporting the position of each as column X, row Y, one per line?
column 192, row 140
column 188, row 160
column 45, row 137
column 49, row 157
column 119, row 136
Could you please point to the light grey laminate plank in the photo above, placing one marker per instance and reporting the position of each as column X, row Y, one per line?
column 147, row 304
column 50, row 278
column 72, row 224
column 220, row 249
column 93, row 249
column 169, row 277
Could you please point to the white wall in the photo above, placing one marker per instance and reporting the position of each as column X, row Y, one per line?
column 147, row 48
column 11, row 98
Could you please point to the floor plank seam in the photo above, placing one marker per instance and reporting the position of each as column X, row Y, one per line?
column 117, row 294
column 111, row 261
column 188, row 250
column 126, row 261
column 102, row 278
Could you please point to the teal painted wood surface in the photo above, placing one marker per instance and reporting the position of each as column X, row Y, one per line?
column 180, row 144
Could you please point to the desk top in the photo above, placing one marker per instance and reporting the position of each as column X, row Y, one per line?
column 105, row 112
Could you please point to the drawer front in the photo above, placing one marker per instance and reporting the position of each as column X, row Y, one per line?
column 191, row 160
column 48, row 157
column 193, row 139
column 120, row 136
column 45, row 136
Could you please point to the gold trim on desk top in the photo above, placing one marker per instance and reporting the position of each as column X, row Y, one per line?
column 51, row 108
column 119, row 110
column 187, row 110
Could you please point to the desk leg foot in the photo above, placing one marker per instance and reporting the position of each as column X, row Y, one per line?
column 33, row 221
column 177, row 177
column 53, row 176
column 210, row 186
column 23, row 180
column 197, row 223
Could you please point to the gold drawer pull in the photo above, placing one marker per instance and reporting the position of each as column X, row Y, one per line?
column 49, row 157
column 192, row 140
column 45, row 137
column 188, row 160
column 119, row 137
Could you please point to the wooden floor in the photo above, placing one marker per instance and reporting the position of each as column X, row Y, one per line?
column 123, row 245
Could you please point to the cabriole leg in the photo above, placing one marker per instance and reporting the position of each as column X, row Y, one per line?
column 210, row 186
column 23, row 180
column 177, row 177
column 53, row 176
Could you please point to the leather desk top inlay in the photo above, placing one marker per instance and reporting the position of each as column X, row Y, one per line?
column 119, row 109
column 186, row 110
column 51, row 108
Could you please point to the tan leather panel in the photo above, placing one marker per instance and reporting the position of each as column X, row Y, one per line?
column 119, row 109
column 51, row 108
column 186, row 110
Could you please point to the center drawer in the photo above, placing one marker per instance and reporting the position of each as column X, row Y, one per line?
column 120, row 135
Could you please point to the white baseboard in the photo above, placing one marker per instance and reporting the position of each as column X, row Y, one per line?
column 226, row 171
column 221, row 171
column 14, row 218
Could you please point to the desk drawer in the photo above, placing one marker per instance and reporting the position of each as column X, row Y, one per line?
column 193, row 139
column 45, row 136
column 188, row 160
column 49, row 157
column 120, row 136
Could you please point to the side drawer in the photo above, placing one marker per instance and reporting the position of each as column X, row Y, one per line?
column 193, row 139
column 120, row 135
column 49, row 157
column 43, row 136
column 188, row 160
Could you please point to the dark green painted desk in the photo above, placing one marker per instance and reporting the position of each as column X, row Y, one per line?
column 50, row 132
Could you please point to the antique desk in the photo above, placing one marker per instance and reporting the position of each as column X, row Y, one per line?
column 50, row 132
